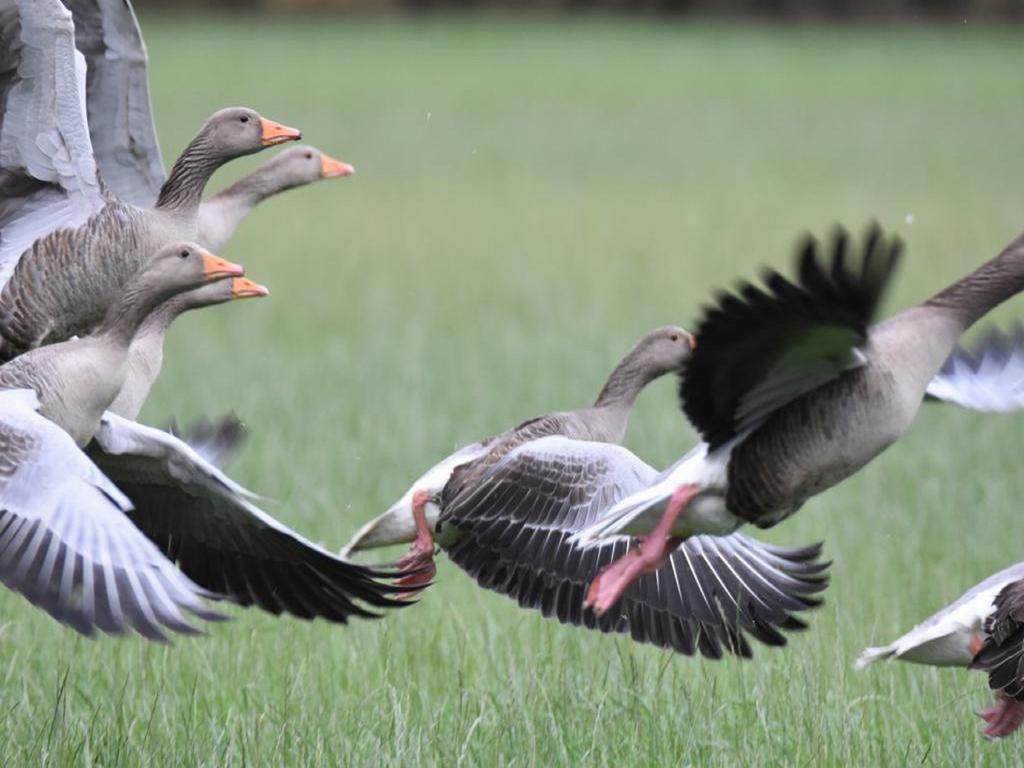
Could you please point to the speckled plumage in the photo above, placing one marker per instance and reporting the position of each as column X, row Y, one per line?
column 67, row 244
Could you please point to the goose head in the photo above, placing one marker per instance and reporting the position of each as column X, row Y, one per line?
column 297, row 166
column 237, row 131
column 181, row 267
column 665, row 350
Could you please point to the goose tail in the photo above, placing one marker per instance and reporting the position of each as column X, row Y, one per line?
column 873, row 654
column 396, row 526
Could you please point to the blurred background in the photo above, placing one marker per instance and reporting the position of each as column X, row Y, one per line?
column 778, row 9
column 536, row 187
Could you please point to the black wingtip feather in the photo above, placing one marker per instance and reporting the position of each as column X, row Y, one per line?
column 742, row 332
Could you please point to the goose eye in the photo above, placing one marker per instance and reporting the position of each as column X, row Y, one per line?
column 244, row 118
column 309, row 155
column 674, row 337
column 184, row 254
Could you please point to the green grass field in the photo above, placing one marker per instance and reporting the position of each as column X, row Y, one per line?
column 531, row 198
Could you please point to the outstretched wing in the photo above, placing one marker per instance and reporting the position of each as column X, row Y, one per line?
column 121, row 125
column 209, row 526
column 988, row 377
column 1002, row 656
column 513, row 532
column 761, row 348
column 66, row 542
column 48, row 176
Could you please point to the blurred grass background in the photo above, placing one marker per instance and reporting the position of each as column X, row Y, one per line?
column 531, row 198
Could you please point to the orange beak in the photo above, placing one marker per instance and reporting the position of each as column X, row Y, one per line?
column 214, row 267
column 243, row 288
column 693, row 341
column 330, row 168
column 275, row 133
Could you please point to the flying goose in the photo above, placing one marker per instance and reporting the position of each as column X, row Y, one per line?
column 508, row 506
column 793, row 390
column 124, row 136
column 982, row 629
column 413, row 518
column 97, row 549
column 67, row 245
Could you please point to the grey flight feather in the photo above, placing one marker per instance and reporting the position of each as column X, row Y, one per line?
column 120, row 113
column 49, row 179
column 66, row 543
column 987, row 377
column 513, row 528
column 208, row 525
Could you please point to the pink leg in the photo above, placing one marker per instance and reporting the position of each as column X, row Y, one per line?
column 976, row 643
column 648, row 556
column 421, row 554
column 1004, row 716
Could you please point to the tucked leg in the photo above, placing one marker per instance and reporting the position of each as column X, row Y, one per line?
column 1004, row 716
column 648, row 556
column 420, row 556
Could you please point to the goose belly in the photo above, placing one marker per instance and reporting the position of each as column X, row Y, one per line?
column 814, row 443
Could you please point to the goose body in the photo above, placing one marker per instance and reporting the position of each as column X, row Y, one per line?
column 793, row 390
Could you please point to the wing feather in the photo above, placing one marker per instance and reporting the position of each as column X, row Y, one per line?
column 513, row 531
column 210, row 527
column 67, row 544
column 762, row 348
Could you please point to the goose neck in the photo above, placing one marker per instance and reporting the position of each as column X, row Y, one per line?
column 184, row 187
column 991, row 284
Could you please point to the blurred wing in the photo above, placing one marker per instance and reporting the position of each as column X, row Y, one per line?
column 205, row 522
column 514, row 534
column 217, row 442
column 989, row 377
column 66, row 543
column 762, row 348
column 48, row 175
column 117, row 96
column 1002, row 656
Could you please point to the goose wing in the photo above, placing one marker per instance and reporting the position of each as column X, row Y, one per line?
column 988, row 377
column 208, row 524
column 1002, row 656
column 513, row 531
column 48, row 176
column 66, row 542
column 120, row 113
column 760, row 348
column 217, row 441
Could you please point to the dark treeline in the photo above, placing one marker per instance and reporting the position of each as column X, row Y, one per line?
column 976, row 10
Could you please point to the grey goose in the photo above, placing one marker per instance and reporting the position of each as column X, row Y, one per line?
column 505, row 510
column 793, row 389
